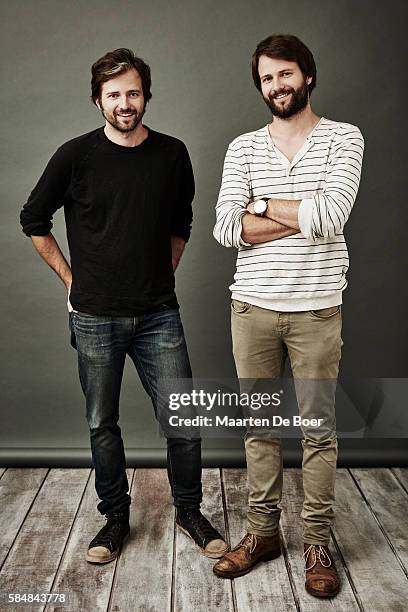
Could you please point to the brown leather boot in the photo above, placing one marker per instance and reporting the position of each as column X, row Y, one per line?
column 251, row 550
column 322, row 579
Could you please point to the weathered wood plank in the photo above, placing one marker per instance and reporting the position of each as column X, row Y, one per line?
column 144, row 571
column 195, row 585
column 267, row 587
column 402, row 476
column 88, row 586
column 132, row 583
column 18, row 488
column 292, row 529
column 377, row 576
column 389, row 502
column 34, row 558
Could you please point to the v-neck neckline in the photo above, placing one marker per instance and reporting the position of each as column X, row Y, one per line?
column 305, row 146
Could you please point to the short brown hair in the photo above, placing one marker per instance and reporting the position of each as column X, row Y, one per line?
column 286, row 47
column 118, row 62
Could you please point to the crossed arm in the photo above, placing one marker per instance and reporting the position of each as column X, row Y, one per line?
column 322, row 214
column 236, row 224
column 279, row 221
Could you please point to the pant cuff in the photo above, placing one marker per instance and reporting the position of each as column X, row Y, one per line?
column 316, row 541
column 264, row 533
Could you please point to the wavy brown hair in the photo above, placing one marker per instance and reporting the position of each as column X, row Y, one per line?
column 118, row 62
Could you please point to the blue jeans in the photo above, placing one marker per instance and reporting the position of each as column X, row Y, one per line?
column 155, row 343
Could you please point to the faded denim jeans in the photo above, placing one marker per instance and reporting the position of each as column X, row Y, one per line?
column 155, row 343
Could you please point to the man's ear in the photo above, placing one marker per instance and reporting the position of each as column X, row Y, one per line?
column 308, row 80
column 98, row 104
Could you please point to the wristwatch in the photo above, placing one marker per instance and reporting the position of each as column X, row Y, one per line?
column 260, row 207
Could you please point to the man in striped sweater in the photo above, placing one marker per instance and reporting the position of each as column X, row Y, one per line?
column 287, row 191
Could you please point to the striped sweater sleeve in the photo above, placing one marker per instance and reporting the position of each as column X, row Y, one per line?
column 234, row 195
column 325, row 214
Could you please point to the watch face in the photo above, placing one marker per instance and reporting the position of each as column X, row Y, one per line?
column 260, row 206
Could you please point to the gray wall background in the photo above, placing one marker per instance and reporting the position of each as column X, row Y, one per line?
column 199, row 53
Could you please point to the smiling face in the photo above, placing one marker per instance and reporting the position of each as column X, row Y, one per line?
column 284, row 87
column 122, row 102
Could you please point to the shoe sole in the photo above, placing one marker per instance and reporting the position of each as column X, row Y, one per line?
column 210, row 555
column 263, row 559
column 322, row 595
column 94, row 559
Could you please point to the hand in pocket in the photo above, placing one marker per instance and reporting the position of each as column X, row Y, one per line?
column 70, row 309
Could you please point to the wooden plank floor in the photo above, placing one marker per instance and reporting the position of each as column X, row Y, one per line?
column 48, row 517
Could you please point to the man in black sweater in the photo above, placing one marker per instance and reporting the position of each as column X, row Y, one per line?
column 127, row 192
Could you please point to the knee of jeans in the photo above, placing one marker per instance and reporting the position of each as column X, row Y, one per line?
column 104, row 436
column 95, row 426
column 98, row 421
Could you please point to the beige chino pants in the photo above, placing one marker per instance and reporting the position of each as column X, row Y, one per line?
column 261, row 341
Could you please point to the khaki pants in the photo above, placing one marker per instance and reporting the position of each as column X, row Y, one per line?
column 261, row 341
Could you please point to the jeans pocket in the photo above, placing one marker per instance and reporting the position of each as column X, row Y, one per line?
column 326, row 313
column 78, row 313
column 239, row 307
column 165, row 308
column 93, row 326
column 71, row 330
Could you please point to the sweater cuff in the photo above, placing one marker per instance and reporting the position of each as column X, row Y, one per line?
column 241, row 241
column 37, row 230
column 305, row 213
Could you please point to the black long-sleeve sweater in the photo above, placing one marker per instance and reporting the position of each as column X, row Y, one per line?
column 121, row 205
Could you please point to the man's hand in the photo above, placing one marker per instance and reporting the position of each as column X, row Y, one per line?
column 49, row 250
column 177, row 248
column 70, row 309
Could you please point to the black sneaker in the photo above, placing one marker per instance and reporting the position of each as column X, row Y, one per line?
column 200, row 530
column 106, row 544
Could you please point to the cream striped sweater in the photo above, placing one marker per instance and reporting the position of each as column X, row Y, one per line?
column 306, row 271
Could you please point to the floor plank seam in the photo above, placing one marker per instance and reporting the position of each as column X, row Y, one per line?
column 2, row 472
column 289, row 571
column 224, row 507
column 173, row 569
column 24, row 519
column 347, row 571
column 115, row 569
column 401, row 484
column 51, row 590
column 227, row 533
column 390, row 544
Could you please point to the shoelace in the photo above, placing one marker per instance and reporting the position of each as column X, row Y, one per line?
column 249, row 542
column 319, row 555
column 109, row 532
column 202, row 526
